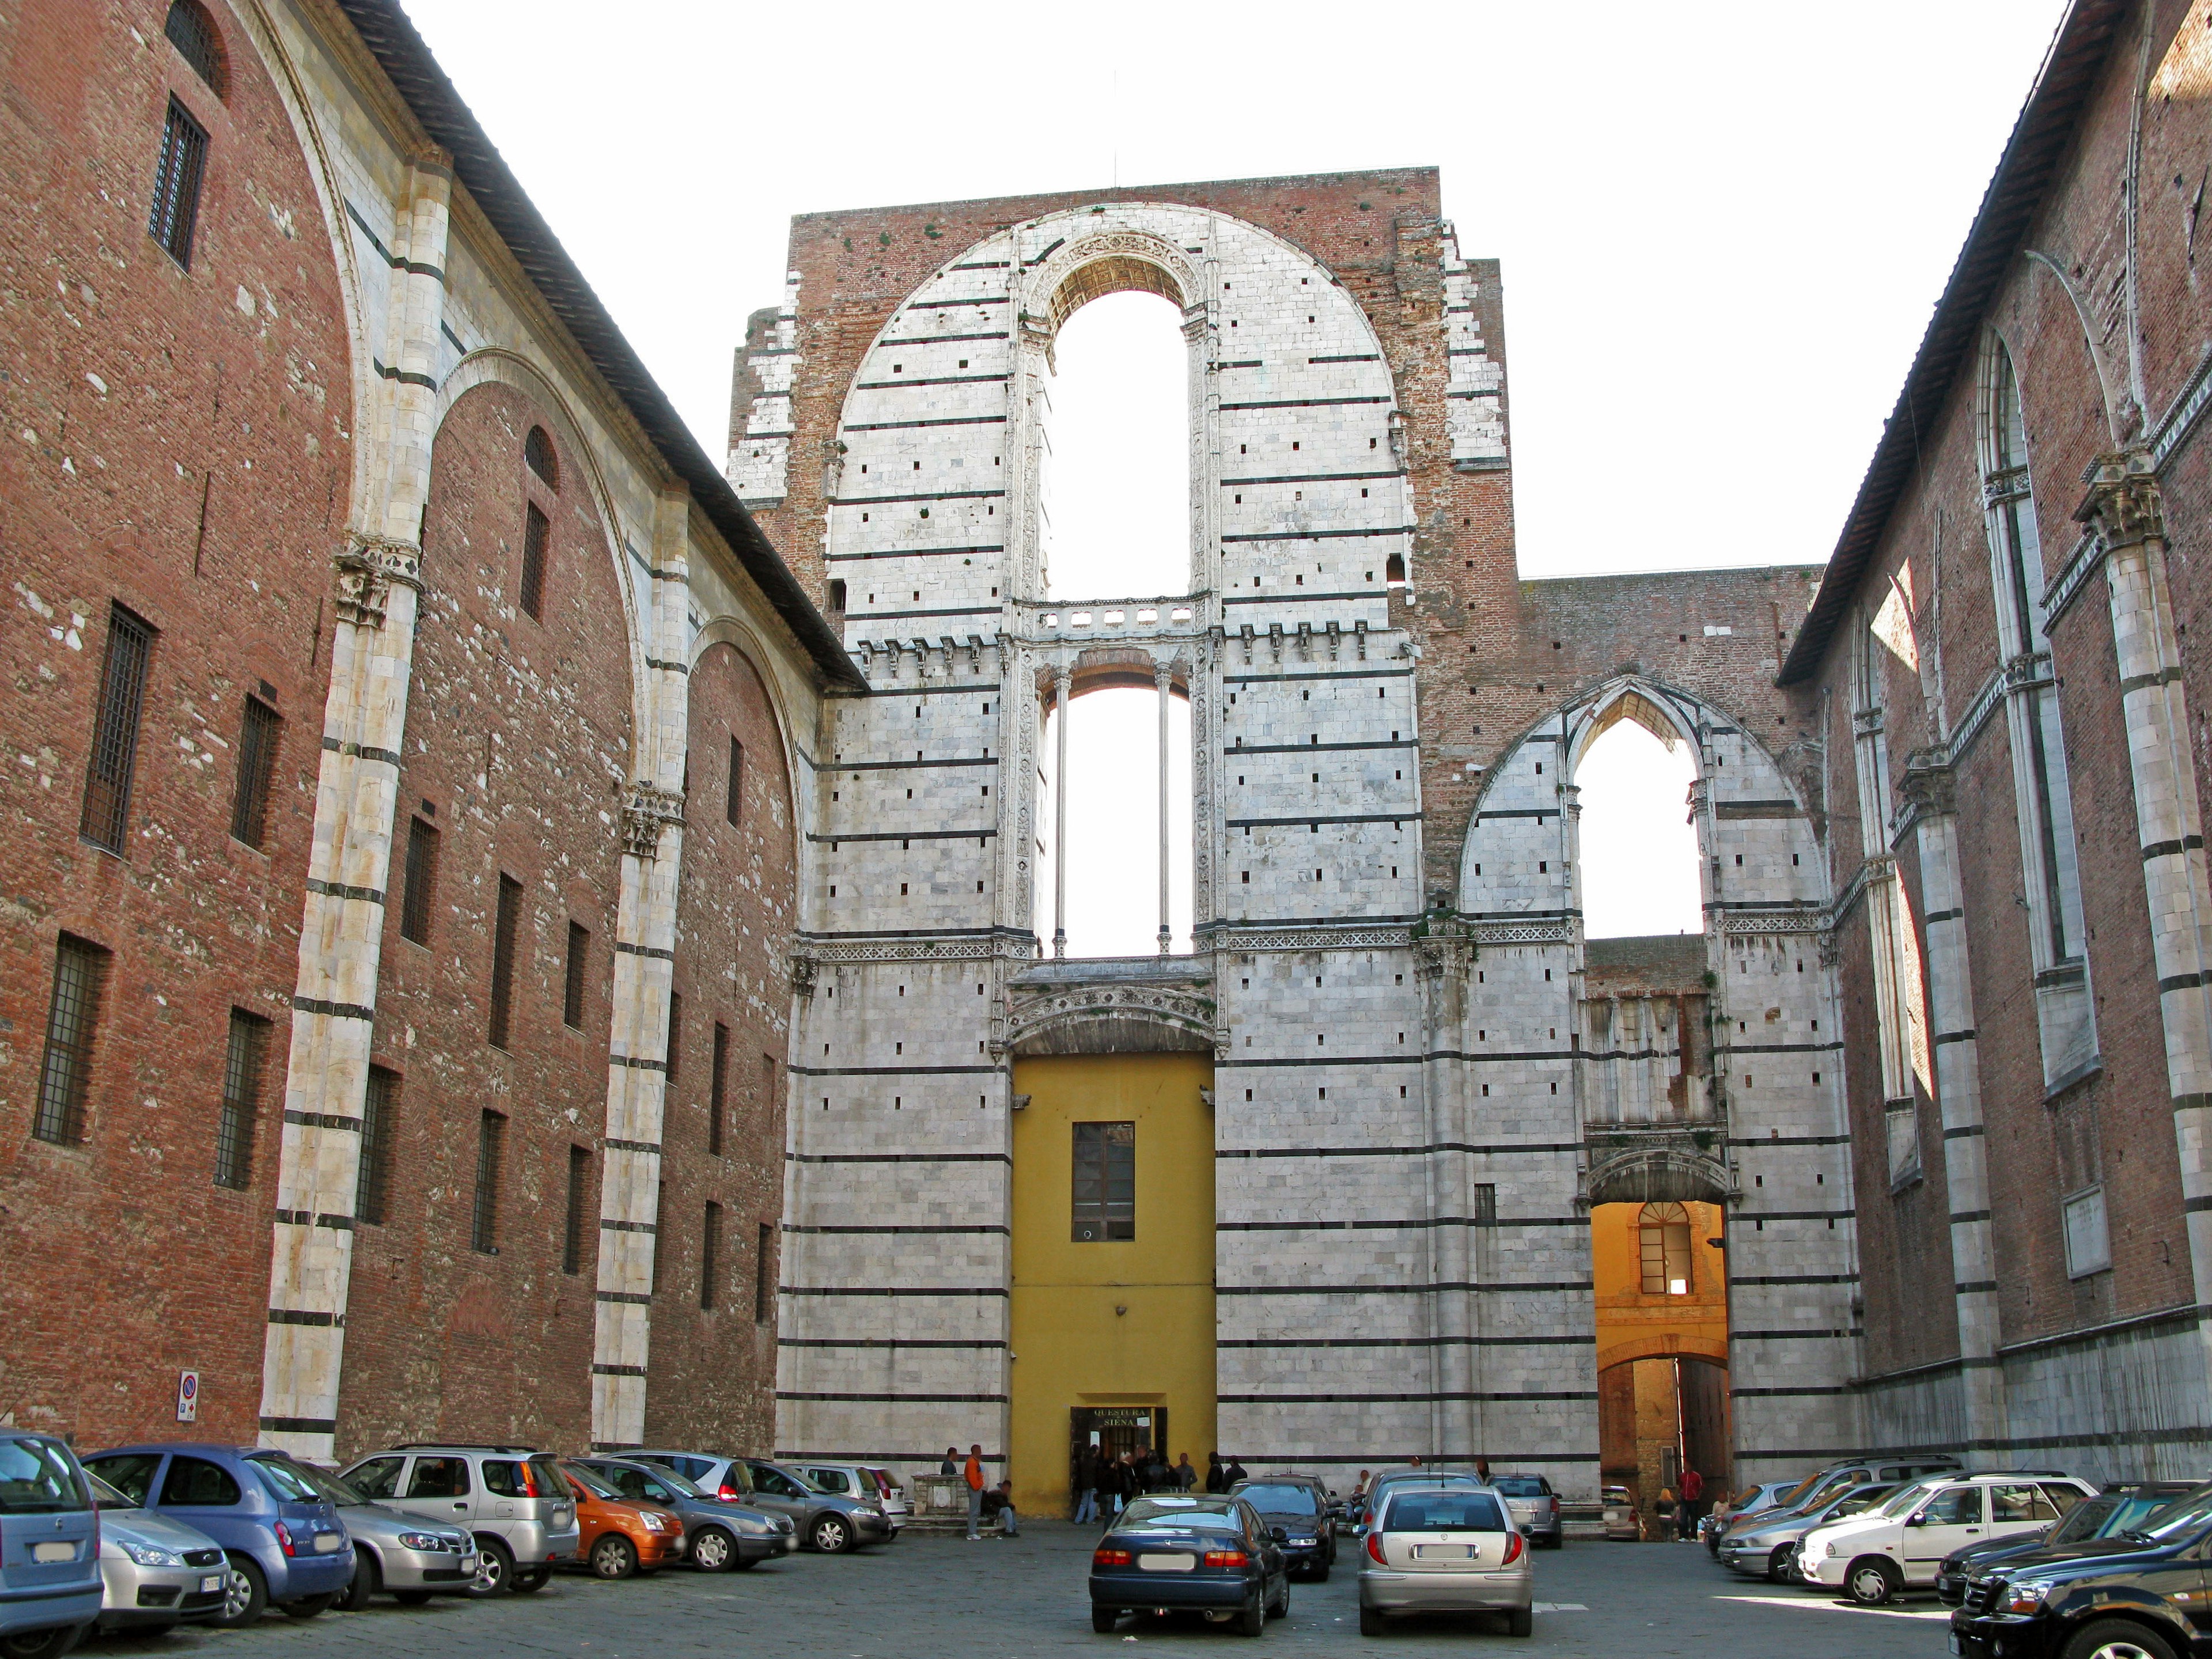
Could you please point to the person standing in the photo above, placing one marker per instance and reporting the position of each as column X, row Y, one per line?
column 1185, row 1476
column 1693, row 1491
column 1213, row 1480
column 1155, row 1470
column 1666, row 1509
column 974, row 1474
column 951, row 1463
column 1482, row 1470
column 1233, row 1473
column 1086, row 1487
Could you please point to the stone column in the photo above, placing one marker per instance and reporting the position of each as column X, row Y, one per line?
column 1441, row 957
column 1163, row 676
column 2123, row 510
column 342, row 931
column 1059, row 678
column 645, row 958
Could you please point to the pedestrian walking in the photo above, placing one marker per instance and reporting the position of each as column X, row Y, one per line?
column 1087, row 1487
column 1213, row 1480
column 1185, row 1476
column 974, row 1474
column 1694, row 1492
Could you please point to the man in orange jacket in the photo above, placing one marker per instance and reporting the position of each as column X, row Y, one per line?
column 974, row 1474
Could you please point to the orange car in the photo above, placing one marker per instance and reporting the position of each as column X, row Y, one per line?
column 621, row 1538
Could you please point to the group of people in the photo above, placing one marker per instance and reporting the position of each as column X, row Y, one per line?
column 1683, row 1513
column 1105, row 1483
column 985, row 1503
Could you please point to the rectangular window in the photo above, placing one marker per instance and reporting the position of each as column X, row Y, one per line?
column 176, row 208
column 675, row 1033
column 579, row 1185
column 572, row 991
column 1666, row 1252
column 80, row 972
column 1105, row 1182
column 1485, row 1213
column 710, row 1245
column 483, row 1232
column 767, row 1090
column 717, row 1092
column 257, row 767
column 502, row 959
column 379, row 1108
column 415, row 904
column 765, row 1274
column 535, row 530
column 2089, row 1245
column 241, row 1096
column 115, row 731
column 737, row 781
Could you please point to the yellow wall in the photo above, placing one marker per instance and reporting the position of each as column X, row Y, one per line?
column 1070, row 1348
column 1633, row 1326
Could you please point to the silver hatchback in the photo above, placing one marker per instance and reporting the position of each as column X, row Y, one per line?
column 157, row 1573
column 1444, row 1549
column 412, row 1559
column 512, row 1500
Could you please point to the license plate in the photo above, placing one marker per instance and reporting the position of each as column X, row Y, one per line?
column 53, row 1551
column 1446, row 1553
column 212, row 1581
column 1167, row 1562
column 325, row 1542
column 1955, row 1648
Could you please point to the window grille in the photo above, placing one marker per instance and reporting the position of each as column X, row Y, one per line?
column 193, row 36
column 502, row 959
column 537, row 451
column 79, row 971
column 572, row 990
column 535, row 530
column 177, row 177
column 580, row 1183
column 710, row 1246
column 717, row 1091
column 765, row 1274
column 484, row 1228
column 415, row 904
column 115, row 731
column 1664, row 1235
column 378, row 1107
column 737, row 780
column 1105, row 1182
column 257, row 768
column 675, row 1033
column 241, row 1096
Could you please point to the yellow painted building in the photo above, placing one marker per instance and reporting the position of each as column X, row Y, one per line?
column 1110, row 1332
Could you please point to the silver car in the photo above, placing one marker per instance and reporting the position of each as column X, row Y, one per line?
column 514, row 1500
column 1445, row 1549
column 1763, row 1547
column 413, row 1559
column 1535, row 1508
column 156, row 1571
column 860, row 1480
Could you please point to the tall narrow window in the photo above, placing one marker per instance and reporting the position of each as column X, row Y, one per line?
column 241, row 1097
column 767, row 1090
column 535, row 531
column 1662, row 1231
column 764, row 1275
column 710, row 1248
column 176, row 208
column 537, row 455
column 1105, row 1182
column 837, row 594
column 257, row 767
column 660, row 1238
column 675, row 1034
column 115, row 731
column 717, row 1090
column 379, row 1109
column 194, row 37
column 80, row 974
column 572, row 990
column 736, row 797
column 502, row 959
column 415, row 904
column 580, row 1186
column 483, row 1232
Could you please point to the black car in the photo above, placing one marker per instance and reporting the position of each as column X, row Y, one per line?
column 2137, row 1592
column 2119, row 1508
column 1197, row 1554
column 1299, row 1505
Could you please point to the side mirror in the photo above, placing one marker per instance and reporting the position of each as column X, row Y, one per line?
column 1919, row 1519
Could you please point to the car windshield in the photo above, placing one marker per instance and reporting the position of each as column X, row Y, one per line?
column 1901, row 1500
column 1803, row 1489
column 2088, row 1519
column 2178, row 1519
column 327, row 1486
column 1521, row 1486
column 285, row 1482
column 1150, row 1513
column 1283, row 1499
column 107, row 1496
column 1443, row 1511
column 675, row 1482
column 1852, row 1502
column 590, row 1482
column 36, row 1479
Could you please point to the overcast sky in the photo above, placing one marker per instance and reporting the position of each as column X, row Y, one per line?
column 1723, row 226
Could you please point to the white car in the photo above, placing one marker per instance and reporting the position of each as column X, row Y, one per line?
column 1901, row 1542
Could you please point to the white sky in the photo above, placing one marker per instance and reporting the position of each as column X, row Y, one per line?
column 1723, row 226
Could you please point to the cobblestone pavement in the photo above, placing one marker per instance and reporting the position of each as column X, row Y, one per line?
column 927, row 1596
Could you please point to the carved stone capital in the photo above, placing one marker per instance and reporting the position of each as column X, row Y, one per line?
column 1928, row 789
column 2122, row 508
column 367, row 570
column 802, row 977
column 648, row 811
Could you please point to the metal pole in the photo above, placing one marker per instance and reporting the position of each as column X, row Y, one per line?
column 1162, row 676
column 1059, row 678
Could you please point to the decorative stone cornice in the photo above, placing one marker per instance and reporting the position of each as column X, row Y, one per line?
column 2123, row 507
column 368, row 569
column 648, row 809
column 1112, row 1018
column 1927, row 788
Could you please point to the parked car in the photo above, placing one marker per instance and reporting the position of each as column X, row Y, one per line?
column 859, row 1480
column 1712, row 1528
column 1624, row 1522
column 514, row 1500
column 283, row 1540
column 412, row 1559
column 51, row 1584
column 717, row 1535
column 1445, row 1549
column 1298, row 1505
column 1201, row 1553
column 619, row 1538
column 1901, row 1542
column 831, row 1522
column 1386, row 1478
column 2139, row 1594
column 1766, row 1548
column 1534, row 1507
column 156, row 1572
column 2120, row 1508
column 716, row 1474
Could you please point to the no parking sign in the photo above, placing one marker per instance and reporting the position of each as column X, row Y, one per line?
column 188, row 1396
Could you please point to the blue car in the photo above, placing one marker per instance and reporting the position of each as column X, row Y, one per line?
column 285, row 1542
column 50, row 1581
column 1209, row 1555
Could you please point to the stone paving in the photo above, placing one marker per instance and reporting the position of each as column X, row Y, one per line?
column 1008, row 1599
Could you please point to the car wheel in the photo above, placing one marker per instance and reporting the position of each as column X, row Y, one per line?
column 362, row 1585
column 1371, row 1622
column 1282, row 1607
column 614, row 1556
column 244, row 1593
column 2116, row 1639
column 1777, row 1564
column 1253, row 1619
column 42, row 1643
column 1520, row 1622
column 1872, row 1581
column 1102, row 1620
column 411, row 1598
column 830, row 1534
column 714, row 1550
column 308, row 1607
column 495, row 1568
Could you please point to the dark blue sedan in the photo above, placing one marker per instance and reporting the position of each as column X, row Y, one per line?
column 1200, row 1554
